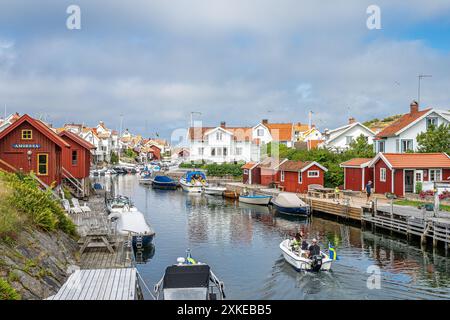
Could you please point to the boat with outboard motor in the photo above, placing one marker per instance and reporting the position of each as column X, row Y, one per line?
column 289, row 203
column 193, row 181
column 300, row 260
column 189, row 280
column 214, row 190
column 132, row 223
column 258, row 199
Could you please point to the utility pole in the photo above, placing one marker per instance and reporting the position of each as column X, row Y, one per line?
column 120, row 136
column 310, row 119
column 421, row 76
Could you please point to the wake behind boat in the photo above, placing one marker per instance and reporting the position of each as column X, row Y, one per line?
column 193, row 181
column 289, row 203
column 301, row 262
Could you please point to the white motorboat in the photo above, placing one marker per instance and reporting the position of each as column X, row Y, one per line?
column 193, row 181
column 255, row 199
column 214, row 190
column 300, row 261
column 120, row 204
column 133, row 223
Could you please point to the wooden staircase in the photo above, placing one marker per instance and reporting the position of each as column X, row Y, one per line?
column 73, row 184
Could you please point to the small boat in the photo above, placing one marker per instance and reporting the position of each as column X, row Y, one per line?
column 120, row 204
column 289, row 203
column 145, row 177
column 164, row 182
column 300, row 261
column 231, row 194
column 214, row 190
column 255, row 199
column 189, row 280
column 133, row 223
column 193, row 181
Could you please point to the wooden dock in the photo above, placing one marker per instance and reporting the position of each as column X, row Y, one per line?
column 100, row 284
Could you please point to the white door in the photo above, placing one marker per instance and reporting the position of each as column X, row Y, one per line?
column 418, row 177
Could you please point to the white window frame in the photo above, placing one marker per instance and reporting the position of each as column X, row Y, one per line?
column 219, row 136
column 383, row 174
column 246, row 171
column 434, row 172
column 432, row 119
column 282, row 176
column 316, row 172
column 260, row 132
column 404, row 150
column 201, row 151
column 381, row 142
column 300, row 179
column 238, row 151
column 348, row 140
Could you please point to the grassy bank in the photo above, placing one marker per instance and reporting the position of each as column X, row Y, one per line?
column 413, row 203
column 24, row 206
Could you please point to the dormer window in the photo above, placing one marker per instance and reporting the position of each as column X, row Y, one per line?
column 432, row 121
column 260, row 132
column 27, row 134
column 219, row 136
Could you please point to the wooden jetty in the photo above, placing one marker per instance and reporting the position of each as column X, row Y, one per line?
column 100, row 284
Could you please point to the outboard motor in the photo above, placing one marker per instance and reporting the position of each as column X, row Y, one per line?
column 316, row 263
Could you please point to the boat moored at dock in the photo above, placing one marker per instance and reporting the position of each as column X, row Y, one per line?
column 214, row 190
column 163, row 182
column 193, row 181
column 132, row 223
column 289, row 203
column 263, row 200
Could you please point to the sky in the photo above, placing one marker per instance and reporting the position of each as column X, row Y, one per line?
column 239, row 61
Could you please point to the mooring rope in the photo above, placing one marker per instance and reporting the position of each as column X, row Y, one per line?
column 145, row 285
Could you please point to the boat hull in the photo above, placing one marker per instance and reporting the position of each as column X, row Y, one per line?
column 263, row 201
column 302, row 263
column 191, row 188
column 164, row 186
column 214, row 192
column 300, row 211
column 145, row 240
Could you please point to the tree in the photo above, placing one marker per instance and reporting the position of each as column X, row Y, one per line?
column 114, row 158
column 435, row 139
column 360, row 148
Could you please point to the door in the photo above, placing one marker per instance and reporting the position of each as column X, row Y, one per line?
column 419, row 178
column 409, row 181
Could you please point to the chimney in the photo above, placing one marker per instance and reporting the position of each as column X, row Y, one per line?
column 351, row 120
column 413, row 107
column 265, row 121
column 223, row 124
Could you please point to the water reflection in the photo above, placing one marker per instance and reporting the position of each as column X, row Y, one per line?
column 241, row 243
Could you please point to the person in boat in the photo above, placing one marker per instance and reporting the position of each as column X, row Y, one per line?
column 314, row 249
column 296, row 242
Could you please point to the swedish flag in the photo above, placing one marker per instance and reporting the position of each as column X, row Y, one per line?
column 332, row 252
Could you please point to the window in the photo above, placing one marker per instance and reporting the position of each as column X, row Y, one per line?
column 260, row 132
column 246, row 171
column 435, row 175
column 219, row 136
column 383, row 174
column 213, row 152
column 419, row 176
column 225, row 151
column 200, row 151
column 313, row 174
column 380, row 146
column 397, row 145
column 238, row 151
column 348, row 140
column 219, row 151
column 42, row 164
column 299, row 177
column 407, row 145
column 432, row 121
column 282, row 176
column 74, row 157
column 27, row 134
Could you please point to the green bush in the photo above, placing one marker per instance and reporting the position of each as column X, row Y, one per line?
column 38, row 206
column 224, row 169
column 7, row 292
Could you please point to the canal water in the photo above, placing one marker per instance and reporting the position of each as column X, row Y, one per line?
column 241, row 244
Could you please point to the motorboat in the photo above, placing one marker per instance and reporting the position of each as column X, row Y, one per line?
column 289, row 203
column 189, row 280
column 258, row 199
column 231, row 194
column 120, row 204
column 145, row 177
column 299, row 259
column 193, row 181
column 132, row 223
column 163, row 182
column 214, row 190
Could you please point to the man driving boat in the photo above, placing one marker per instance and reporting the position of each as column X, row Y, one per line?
column 314, row 249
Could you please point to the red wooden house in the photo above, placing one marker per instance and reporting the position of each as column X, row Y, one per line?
column 357, row 173
column 29, row 145
column 398, row 173
column 77, row 158
column 251, row 173
column 269, row 170
column 154, row 152
column 296, row 176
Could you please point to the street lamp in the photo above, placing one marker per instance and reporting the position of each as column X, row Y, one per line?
column 29, row 154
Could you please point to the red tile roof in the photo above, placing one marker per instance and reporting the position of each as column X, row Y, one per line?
column 291, row 165
column 417, row 160
column 356, row 162
column 280, row 131
column 248, row 165
column 77, row 139
column 401, row 123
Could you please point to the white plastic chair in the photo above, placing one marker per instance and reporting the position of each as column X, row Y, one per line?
column 68, row 208
column 83, row 208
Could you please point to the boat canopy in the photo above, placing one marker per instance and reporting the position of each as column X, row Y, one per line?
column 133, row 222
column 285, row 199
column 163, row 179
column 187, row 276
column 195, row 174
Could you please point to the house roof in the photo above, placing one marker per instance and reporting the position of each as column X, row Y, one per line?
column 280, row 131
column 413, row 160
column 38, row 125
column 301, row 166
column 249, row 165
column 356, row 162
column 401, row 123
column 271, row 163
column 301, row 127
column 335, row 133
column 77, row 139
column 240, row 134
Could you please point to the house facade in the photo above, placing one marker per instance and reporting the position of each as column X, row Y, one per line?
column 251, row 173
column 297, row 176
column 357, row 173
column 267, row 132
column 340, row 138
column 401, row 136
